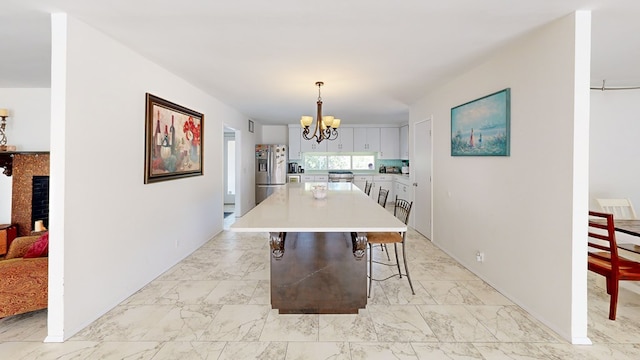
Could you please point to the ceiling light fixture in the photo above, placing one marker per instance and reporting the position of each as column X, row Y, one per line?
column 326, row 126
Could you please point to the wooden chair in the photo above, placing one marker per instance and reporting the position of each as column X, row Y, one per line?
column 367, row 187
column 402, row 209
column 622, row 209
column 603, row 257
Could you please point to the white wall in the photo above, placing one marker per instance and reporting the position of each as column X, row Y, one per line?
column 275, row 134
column 27, row 128
column 246, row 195
column 615, row 124
column 112, row 234
column 614, row 151
column 519, row 210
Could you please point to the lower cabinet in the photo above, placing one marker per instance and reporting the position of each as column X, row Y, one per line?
column 361, row 180
column 315, row 178
column 385, row 182
column 404, row 191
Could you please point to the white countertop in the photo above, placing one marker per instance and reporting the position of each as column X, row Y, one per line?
column 293, row 208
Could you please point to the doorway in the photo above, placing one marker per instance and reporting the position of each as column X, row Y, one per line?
column 229, row 173
column 422, row 177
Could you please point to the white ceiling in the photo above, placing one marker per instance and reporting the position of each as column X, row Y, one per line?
column 263, row 58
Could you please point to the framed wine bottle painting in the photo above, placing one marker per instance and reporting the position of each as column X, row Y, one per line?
column 173, row 142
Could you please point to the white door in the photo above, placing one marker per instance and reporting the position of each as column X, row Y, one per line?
column 421, row 169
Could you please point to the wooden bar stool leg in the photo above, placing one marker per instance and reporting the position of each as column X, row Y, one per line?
column 613, row 305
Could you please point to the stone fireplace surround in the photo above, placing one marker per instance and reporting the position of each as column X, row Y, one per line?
column 25, row 165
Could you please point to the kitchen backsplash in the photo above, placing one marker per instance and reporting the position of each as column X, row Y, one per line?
column 390, row 163
column 387, row 163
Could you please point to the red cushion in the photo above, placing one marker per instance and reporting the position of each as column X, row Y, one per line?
column 39, row 248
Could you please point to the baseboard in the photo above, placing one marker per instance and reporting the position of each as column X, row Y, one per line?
column 54, row 339
column 581, row 341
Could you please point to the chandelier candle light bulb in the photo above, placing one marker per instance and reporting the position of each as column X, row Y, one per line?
column 306, row 121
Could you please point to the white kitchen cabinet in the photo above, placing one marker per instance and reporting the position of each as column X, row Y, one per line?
column 404, row 142
column 389, row 143
column 295, row 133
column 344, row 142
column 404, row 187
column 312, row 145
column 314, row 178
column 386, row 182
column 404, row 190
column 366, row 139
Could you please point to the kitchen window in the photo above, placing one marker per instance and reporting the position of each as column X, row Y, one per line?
column 363, row 162
column 339, row 162
column 314, row 161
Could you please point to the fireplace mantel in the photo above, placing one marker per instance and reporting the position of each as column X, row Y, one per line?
column 6, row 159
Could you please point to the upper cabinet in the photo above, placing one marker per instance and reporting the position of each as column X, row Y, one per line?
column 389, row 143
column 404, row 142
column 295, row 134
column 366, row 139
column 344, row 142
column 299, row 145
column 312, row 145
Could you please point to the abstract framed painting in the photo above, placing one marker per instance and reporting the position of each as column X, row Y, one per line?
column 173, row 141
column 482, row 127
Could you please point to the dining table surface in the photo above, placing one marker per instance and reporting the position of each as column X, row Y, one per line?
column 293, row 208
column 630, row 227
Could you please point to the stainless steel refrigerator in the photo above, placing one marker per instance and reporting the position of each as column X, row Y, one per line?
column 271, row 169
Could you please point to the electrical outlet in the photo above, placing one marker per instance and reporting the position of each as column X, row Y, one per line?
column 480, row 256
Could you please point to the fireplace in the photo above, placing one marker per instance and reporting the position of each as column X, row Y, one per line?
column 40, row 199
column 30, row 169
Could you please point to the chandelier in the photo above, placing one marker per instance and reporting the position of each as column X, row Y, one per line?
column 326, row 126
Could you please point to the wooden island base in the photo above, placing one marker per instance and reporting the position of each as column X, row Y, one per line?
column 318, row 274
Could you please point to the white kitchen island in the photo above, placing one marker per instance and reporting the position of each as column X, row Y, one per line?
column 318, row 247
column 294, row 209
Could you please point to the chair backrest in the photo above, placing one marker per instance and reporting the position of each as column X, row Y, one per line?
column 402, row 209
column 622, row 209
column 602, row 239
column 367, row 187
column 383, row 194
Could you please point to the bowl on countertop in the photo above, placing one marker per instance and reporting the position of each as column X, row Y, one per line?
column 319, row 192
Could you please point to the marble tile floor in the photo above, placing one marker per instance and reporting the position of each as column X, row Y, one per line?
column 215, row 305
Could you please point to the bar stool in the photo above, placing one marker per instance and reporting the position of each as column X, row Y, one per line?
column 402, row 209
